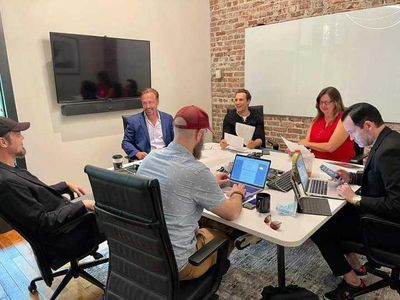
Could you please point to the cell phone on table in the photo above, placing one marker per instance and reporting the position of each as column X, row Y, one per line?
column 250, row 204
column 330, row 172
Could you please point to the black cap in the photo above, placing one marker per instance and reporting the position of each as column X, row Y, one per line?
column 7, row 125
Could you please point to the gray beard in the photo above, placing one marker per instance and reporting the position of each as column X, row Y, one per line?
column 21, row 154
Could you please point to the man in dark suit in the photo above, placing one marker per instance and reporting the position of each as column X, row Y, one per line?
column 148, row 130
column 38, row 208
column 379, row 195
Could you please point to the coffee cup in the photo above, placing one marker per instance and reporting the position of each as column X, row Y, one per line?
column 117, row 161
column 263, row 202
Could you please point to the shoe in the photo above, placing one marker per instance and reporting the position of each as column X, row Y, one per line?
column 246, row 240
column 361, row 272
column 344, row 291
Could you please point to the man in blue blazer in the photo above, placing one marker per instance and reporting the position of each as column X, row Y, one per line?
column 148, row 130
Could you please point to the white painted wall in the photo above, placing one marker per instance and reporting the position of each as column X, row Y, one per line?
column 59, row 147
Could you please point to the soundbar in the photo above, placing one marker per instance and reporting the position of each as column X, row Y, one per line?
column 99, row 106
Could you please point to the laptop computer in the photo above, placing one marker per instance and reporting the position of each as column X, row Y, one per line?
column 250, row 171
column 313, row 186
column 308, row 204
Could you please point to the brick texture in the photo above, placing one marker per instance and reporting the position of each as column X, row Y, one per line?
column 229, row 18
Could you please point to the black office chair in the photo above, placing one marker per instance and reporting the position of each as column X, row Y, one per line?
column 360, row 155
column 125, row 121
column 377, row 255
column 142, row 262
column 260, row 110
column 46, row 264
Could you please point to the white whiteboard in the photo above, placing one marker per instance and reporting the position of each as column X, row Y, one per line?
column 287, row 64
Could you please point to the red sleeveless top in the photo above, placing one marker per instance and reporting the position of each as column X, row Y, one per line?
column 320, row 133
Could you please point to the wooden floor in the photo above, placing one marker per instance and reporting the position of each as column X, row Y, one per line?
column 18, row 267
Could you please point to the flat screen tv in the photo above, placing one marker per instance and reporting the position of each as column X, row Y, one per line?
column 95, row 69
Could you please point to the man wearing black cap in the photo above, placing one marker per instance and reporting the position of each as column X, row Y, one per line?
column 37, row 207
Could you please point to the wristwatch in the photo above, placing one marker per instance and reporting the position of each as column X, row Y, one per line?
column 356, row 200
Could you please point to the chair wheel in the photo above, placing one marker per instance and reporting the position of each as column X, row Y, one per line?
column 32, row 288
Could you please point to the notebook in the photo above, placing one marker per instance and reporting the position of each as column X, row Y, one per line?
column 250, row 171
column 310, row 205
column 315, row 187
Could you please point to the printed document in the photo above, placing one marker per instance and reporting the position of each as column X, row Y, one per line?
column 245, row 131
column 294, row 146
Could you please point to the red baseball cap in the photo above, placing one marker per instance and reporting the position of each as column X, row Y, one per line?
column 193, row 118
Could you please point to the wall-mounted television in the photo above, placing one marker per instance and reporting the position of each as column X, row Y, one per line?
column 93, row 69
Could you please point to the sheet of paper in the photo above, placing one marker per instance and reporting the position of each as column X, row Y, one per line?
column 245, row 131
column 233, row 140
column 293, row 146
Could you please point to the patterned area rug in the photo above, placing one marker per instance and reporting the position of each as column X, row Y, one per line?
column 255, row 267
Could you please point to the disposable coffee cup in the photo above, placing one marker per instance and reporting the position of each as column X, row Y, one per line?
column 117, row 161
column 263, row 202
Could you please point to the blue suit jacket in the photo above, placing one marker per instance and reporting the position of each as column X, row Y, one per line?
column 136, row 137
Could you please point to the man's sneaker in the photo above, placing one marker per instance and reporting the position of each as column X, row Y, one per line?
column 344, row 291
column 246, row 240
column 361, row 272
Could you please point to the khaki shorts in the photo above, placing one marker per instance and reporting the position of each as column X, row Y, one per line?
column 204, row 235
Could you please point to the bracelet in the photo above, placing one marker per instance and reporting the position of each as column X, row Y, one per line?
column 238, row 193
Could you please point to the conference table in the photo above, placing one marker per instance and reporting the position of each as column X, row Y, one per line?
column 294, row 231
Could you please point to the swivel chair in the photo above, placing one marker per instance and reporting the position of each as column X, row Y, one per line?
column 360, row 155
column 142, row 262
column 125, row 121
column 377, row 255
column 46, row 264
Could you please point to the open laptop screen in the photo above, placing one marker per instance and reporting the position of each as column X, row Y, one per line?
column 250, row 170
column 302, row 171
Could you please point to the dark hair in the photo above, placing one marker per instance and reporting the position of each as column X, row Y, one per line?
column 361, row 112
column 335, row 96
column 248, row 95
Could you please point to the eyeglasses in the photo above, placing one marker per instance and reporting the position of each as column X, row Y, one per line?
column 325, row 102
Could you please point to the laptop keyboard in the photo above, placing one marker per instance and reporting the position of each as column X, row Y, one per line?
column 250, row 189
column 319, row 187
column 281, row 183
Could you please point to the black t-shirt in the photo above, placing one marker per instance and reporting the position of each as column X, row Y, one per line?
column 254, row 119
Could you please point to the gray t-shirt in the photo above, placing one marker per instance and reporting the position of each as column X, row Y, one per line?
column 187, row 187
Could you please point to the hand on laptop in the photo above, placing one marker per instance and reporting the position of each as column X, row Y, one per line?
column 346, row 192
column 222, row 178
column 238, row 188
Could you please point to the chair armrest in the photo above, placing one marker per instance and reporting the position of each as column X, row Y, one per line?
column 208, row 249
column 372, row 252
column 370, row 219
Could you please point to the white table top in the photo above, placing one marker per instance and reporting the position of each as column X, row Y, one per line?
column 294, row 230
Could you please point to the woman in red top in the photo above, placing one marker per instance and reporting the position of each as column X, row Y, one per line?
column 326, row 136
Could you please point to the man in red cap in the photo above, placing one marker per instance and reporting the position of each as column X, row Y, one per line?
column 37, row 207
column 188, row 187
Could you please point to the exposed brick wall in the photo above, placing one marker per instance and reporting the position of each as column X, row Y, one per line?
column 229, row 18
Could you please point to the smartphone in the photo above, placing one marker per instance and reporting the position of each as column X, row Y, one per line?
column 249, row 205
column 330, row 172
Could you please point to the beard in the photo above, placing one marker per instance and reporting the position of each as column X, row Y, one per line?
column 198, row 149
column 21, row 154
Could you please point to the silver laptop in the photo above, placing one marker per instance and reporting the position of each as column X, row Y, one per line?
column 313, row 186
column 309, row 204
column 250, row 171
